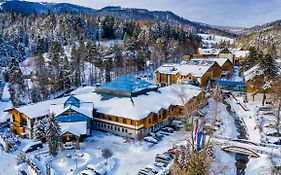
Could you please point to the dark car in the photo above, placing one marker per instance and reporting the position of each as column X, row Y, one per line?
column 33, row 147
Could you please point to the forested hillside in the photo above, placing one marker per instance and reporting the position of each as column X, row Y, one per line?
column 266, row 38
column 69, row 50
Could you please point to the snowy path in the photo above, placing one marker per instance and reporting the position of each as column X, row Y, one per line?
column 260, row 166
column 248, row 118
column 225, row 162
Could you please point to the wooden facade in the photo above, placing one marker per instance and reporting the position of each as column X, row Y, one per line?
column 153, row 122
column 169, row 79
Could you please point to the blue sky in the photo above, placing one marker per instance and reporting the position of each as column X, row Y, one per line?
column 245, row 13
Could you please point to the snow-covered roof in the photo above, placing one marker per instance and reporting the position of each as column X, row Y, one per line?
column 39, row 109
column 85, row 109
column 211, row 51
column 126, row 85
column 184, row 69
column 251, row 73
column 135, row 108
column 83, row 90
column 240, row 53
column 220, row 61
column 77, row 128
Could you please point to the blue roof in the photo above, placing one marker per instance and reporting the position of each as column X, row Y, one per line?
column 128, row 85
column 234, row 83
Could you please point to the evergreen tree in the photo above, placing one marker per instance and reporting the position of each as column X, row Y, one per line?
column 66, row 74
column 53, row 135
column 42, row 74
column 38, row 133
column 56, row 55
column 75, row 66
column 17, row 87
column 268, row 64
column 35, row 95
column 92, row 55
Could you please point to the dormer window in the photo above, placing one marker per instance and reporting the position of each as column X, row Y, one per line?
column 72, row 101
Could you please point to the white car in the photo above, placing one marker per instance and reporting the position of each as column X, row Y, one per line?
column 95, row 169
column 88, row 172
column 150, row 140
column 68, row 146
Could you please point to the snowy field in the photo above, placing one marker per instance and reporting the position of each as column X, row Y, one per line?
column 210, row 40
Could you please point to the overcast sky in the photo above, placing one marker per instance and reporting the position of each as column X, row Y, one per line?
column 243, row 13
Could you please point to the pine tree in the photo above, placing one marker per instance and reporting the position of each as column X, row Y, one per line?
column 66, row 74
column 268, row 64
column 56, row 55
column 92, row 55
column 75, row 66
column 17, row 87
column 53, row 135
column 42, row 73
column 35, row 95
column 39, row 133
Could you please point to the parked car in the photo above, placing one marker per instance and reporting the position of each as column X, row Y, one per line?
column 171, row 151
column 176, row 124
column 172, row 156
column 88, row 172
column 150, row 140
column 157, row 136
column 168, row 129
column 32, row 147
column 164, row 133
column 95, row 169
column 151, row 169
column 160, row 165
column 68, row 145
column 165, row 156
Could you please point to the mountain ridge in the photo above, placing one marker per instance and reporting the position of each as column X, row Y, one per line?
column 117, row 11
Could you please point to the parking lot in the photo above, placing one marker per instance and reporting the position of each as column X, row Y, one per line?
column 131, row 157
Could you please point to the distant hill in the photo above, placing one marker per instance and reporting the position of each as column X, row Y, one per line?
column 123, row 13
column 266, row 37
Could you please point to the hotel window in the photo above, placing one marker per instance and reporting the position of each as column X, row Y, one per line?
column 122, row 129
column 115, row 128
column 116, row 119
column 124, row 120
column 126, row 130
column 109, row 118
column 132, row 122
column 118, row 129
column 149, row 120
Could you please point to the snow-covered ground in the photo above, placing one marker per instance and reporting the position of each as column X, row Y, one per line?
column 224, row 163
column 262, row 165
column 210, row 40
column 128, row 157
column 131, row 157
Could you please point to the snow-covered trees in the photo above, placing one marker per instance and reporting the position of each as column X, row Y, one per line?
column 53, row 135
column 17, row 87
column 42, row 74
column 106, row 154
column 39, row 130
column 277, row 102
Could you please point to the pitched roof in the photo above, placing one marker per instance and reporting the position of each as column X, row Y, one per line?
column 184, row 69
column 135, row 108
column 79, row 129
column 220, row 61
